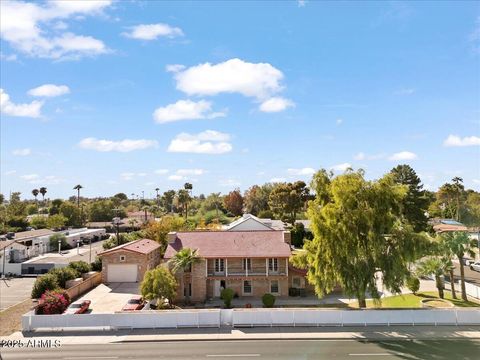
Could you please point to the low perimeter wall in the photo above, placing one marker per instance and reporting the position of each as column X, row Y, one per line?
column 252, row 318
column 87, row 284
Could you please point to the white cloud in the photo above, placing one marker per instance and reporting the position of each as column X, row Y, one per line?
column 276, row 104
column 22, row 152
column 153, row 31
column 302, row 3
column 11, row 57
column 403, row 155
column 7, row 107
column 161, row 171
column 49, row 90
column 455, row 140
column 341, row 167
column 339, row 121
column 174, row 68
column 476, row 181
column 229, row 183
column 32, row 28
column 259, row 80
column 302, row 171
column 177, row 177
column 43, row 180
column 277, row 180
column 185, row 110
column 190, row 172
column 120, row 146
column 206, row 142
column 359, row 156
column 10, row 172
column 362, row 156
column 29, row 177
column 407, row 91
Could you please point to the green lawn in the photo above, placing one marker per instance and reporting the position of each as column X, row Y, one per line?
column 413, row 301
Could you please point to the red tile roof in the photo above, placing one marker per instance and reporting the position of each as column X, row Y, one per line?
column 447, row 228
column 224, row 244
column 142, row 246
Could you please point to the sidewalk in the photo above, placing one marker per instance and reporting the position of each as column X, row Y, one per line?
column 277, row 333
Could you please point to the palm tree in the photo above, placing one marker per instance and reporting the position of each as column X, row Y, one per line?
column 183, row 261
column 158, row 198
column 459, row 244
column 437, row 267
column 43, row 191
column 184, row 198
column 35, row 193
column 78, row 187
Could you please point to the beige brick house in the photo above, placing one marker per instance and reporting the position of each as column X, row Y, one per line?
column 130, row 261
column 251, row 263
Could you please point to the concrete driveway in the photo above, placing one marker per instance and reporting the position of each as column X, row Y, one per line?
column 15, row 291
column 111, row 297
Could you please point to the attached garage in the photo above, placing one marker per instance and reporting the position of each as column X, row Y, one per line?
column 122, row 273
column 128, row 262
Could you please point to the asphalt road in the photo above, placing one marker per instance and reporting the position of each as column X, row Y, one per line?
column 471, row 276
column 261, row 349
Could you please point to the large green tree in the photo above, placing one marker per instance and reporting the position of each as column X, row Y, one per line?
column 415, row 203
column 160, row 284
column 256, row 198
column 358, row 231
column 182, row 262
column 287, row 199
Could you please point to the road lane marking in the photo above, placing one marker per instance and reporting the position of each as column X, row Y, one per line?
column 232, row 355
column 89, row 357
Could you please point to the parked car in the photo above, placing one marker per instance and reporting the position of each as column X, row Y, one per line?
column 467, row 261
column 135, row 303
column 78, row 307
column 475, row 266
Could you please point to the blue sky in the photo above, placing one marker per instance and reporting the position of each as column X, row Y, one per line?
column 129, row 96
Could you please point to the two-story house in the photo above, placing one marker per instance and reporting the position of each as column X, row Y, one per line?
column 251, row 263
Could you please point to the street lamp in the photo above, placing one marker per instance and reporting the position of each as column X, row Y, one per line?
column 3, row 271
column 59, row 246
column 116, row 221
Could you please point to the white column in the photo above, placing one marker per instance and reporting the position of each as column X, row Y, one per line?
column 226, row 267
column 266, row 266
column 246, row 266
column 206, row 267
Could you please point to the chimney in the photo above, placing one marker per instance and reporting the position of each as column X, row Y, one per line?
column 171, row 237
column 287, row 237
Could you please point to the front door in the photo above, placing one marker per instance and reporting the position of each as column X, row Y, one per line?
column 216, row 288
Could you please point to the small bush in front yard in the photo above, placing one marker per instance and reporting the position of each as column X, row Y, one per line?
column 227, row 295
column 268, row 300
column 53, row 302
column 413, row 284
column 44, row 283
column 96, row 265
column 81, row 267
column 63, row 275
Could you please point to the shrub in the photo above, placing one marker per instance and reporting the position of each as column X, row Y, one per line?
column 44, row 283
column 53, row 302
column 63, row 275
column 227, row 295
column 81, row 267
column 159, row 283
column 268, row 300
column 97, row 264
column 265, row 214
column 54, row 242
column 413, row 284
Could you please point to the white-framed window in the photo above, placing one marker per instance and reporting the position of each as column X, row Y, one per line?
column 274, row 287
column 187, row 287
column 219, row 265
column 247, row 287
column 123, row 258
column 247, row 264
column 273, row 264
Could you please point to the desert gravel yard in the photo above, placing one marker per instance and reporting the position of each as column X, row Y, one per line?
column 111, row 297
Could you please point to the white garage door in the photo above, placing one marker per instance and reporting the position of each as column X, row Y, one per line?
column 122, row 272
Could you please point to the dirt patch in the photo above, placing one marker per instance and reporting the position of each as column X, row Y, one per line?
column 11, row 318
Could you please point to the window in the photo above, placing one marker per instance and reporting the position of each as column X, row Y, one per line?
column 219, row 265
column 123, row 257
column 273, row 264
column 247, row 287
column 247, row 264
column 274, row 287
column 189, row 268
column 187, row 287
column 296, row 282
